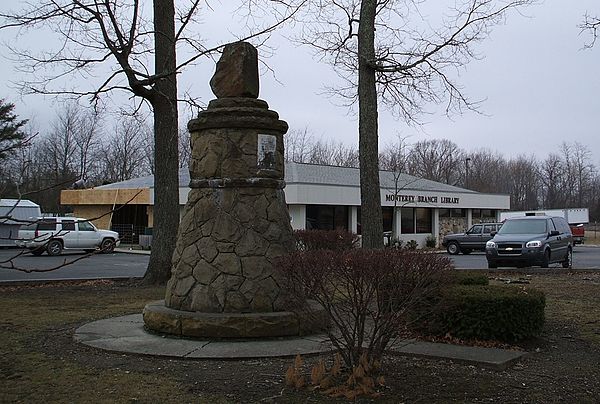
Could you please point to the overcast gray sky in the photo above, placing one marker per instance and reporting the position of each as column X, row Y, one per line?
column 540, row 87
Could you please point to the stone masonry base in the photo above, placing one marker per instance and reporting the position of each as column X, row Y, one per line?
column 162, row 319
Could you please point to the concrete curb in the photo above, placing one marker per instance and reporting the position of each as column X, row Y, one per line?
column 66, row 281
column 127, row 334
column 131, row 251
column 494, row 358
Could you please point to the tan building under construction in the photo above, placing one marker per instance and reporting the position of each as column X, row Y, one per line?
column 128, row 210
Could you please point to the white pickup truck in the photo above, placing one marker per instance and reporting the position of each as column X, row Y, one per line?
column 55, row 234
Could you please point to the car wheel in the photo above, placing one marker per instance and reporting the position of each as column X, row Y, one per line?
column 37, row 251
column 466, row 251
column 107, row 246
column 546, row 259
column 568, row 262
column 453, row 248
column 54, row 247
column 492, row 265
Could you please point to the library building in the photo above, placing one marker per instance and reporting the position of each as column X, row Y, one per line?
column 318, row 197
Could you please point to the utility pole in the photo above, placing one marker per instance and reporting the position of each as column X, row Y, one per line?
column 467, row 161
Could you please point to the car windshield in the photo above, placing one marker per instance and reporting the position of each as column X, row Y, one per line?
column 475, row 229
column 86, row 226
column 523, row 226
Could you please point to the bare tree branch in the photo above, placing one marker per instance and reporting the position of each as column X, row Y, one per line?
column 590, row 24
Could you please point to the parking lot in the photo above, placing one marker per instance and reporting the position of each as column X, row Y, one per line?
column 124, row 265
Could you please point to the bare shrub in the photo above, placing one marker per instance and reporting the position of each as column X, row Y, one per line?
column 367, row 294
column 310, row 240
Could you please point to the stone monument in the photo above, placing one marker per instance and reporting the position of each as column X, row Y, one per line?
column 236, row 223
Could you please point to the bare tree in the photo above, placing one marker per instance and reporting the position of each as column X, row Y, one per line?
column 101, row 33
column 298, row 145
column 551, row 170
column 72, row 142
column 438, row 160
column 119, row 38
column 394, row 157
column 123, row 153
column 381, row 59
column 55, row 159
column 594, row 201
column 148, row 146
column 185, row 148
column 569, row 174
column 15, row 171
column 58, row 158
column 524, row 184
column 301, row 147
column 519, row 177
column 487, row 172
column 333, row 153
column 590, row 24
column 87, row 144
column 584, row 172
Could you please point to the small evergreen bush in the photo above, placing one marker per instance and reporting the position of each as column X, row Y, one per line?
column 412, row 245
column 392, row 242
column 470, row 278
column 498, row 313
column 431, row 242
column 396, row 243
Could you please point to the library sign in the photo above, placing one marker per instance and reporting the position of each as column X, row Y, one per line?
column 422, row 199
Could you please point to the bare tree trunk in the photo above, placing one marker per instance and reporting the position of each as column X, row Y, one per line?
column 166, row 178
column 371, row 216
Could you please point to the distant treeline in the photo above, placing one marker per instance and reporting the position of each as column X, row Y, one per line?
column 84, row 148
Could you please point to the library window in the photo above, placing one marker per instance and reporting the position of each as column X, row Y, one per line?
column 326, row 217
column 445, row 212
column 388, row 218
column 416, row 221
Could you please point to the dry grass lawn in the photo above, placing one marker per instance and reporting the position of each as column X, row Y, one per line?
column 41, row 363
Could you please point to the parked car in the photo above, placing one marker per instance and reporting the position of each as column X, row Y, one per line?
column 55, row 234
column 578, row 232
column 529, row 241
column 474, row 239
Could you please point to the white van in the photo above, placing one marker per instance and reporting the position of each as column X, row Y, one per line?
column 55, row 234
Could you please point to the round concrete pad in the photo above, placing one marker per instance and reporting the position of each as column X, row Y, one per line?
column 127, row 334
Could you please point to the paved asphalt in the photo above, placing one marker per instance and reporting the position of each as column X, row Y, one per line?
column 115, row 265
column 122, row 265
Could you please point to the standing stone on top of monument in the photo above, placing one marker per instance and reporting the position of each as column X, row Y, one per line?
column 235, row 224
column 236, row 74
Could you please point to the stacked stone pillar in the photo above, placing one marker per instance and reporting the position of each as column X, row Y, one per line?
column 235, row 224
